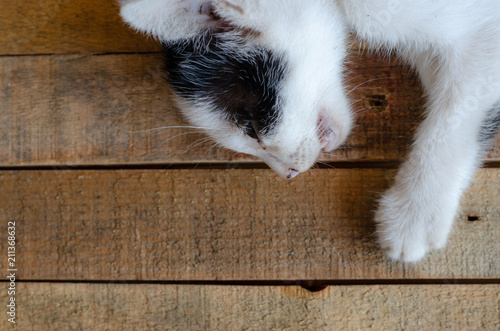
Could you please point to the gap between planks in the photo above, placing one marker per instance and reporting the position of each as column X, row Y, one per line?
column 215, row 165
column 304, row 283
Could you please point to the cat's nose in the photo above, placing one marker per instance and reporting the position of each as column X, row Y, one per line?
column 292, row 173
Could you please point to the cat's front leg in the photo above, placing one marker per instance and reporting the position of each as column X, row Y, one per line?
column 416, row 214
column 250, row 14
column 169, row 20
column 267, row 15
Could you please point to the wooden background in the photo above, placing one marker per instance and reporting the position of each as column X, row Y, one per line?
column 120, row 225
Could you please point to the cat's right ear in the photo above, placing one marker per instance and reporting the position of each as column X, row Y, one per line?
column 166, row 20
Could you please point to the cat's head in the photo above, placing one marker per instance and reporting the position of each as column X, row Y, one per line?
column 277, row 96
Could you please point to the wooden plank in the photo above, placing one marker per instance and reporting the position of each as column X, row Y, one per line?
column 71, row 26
column 81, row 110
column 66, row 26
column 183, row 307
column 227, row 225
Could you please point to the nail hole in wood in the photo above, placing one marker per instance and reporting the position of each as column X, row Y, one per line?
column 313, row 286
column 376, row 103
column 472, row 218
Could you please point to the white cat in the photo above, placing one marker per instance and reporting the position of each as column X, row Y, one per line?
column 265, row 77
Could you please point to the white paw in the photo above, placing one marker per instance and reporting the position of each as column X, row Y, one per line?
column 230, row 9
column 409, row 224
column 242, row 13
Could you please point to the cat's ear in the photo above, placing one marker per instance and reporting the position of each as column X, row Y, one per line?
column 166, row 20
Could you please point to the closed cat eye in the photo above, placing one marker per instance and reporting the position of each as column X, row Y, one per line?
column 252, row 130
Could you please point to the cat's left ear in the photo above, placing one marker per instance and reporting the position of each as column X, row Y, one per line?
column 167, row 20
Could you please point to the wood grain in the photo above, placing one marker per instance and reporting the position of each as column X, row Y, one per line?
column 66, row 26
column 227, row 225
column 84, row 110
column 171, row 307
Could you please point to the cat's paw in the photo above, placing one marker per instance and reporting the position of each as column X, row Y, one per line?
column 233, row 8
column 408, row 226
column 243, row 13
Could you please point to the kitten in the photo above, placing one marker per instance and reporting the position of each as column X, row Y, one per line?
column 266, row 78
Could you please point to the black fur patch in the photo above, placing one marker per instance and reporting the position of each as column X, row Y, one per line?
column 243, row 86
column 491, row 126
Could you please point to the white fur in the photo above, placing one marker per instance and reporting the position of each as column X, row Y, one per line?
column 455, row 48
column 453, row 45
column 165, row 20
column 314, row 52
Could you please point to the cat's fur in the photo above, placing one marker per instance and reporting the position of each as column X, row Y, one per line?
column 264, row 77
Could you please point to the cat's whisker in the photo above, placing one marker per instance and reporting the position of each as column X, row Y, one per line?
column 326, row 165
column 209, row 149
column 366, row 82
column 206, row 152
column 169, row 139
column 197, row 143
column 163, row 128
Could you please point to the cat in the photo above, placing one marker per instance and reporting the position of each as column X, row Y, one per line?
column 266, row 78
